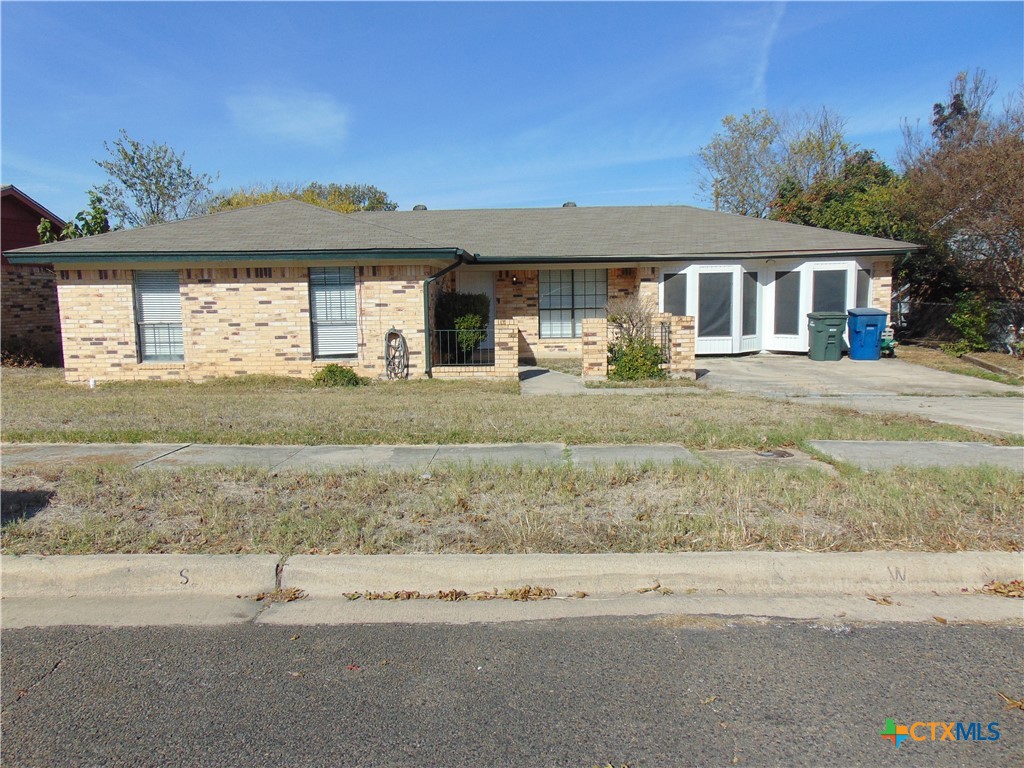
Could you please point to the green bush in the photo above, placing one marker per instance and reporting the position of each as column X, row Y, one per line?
column 635, row 359
column 334, row 375
column 471, row 331
column 970, row 318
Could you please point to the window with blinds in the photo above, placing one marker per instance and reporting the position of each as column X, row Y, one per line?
column 158, row 316
column 567, row 296
column 332, row 308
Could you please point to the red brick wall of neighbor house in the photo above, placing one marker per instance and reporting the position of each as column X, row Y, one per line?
column 29, row 317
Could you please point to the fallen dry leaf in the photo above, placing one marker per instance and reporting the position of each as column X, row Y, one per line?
column 1011, row 703
column 1013, row 588
column 287, row 595
column 709, row 700
column 940, row 619
column 880, row 599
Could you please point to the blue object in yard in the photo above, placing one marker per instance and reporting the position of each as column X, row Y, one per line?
column 866, row 327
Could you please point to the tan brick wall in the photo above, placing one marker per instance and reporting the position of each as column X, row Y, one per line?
column 595, row 348
column 391, row 297
column 29, row 316
column 234, row 323
column 881, row 285
column 98, row 326
column 649, row 279
column 516, row 295
column 682, row 357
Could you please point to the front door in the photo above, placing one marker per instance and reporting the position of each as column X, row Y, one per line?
column 480, row 282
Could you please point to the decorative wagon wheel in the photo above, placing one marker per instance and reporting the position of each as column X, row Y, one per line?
column 396, row 355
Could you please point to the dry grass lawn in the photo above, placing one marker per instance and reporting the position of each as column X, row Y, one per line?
column 96, row 509
column 936, row 358
column 39, row 407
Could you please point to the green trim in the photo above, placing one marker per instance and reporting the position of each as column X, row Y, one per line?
column 378, row 254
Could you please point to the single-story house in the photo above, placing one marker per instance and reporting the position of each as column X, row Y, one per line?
column 29, row 322
column 287, row 287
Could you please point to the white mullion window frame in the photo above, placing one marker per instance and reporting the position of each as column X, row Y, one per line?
column 158, row 321
column 333, row 314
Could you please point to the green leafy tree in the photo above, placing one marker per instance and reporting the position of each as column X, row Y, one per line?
column 150, row 184
column 744, row 167
column 344, row 198
column 91, row 221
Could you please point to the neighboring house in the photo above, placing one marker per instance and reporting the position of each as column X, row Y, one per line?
column 29, row 320
column 288, row 287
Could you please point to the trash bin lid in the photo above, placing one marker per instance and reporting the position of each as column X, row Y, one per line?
column 827, row 316
column 865, row 311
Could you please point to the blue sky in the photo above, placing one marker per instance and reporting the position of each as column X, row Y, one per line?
column 466, row 105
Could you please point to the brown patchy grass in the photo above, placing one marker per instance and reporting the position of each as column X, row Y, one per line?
column 39, row 407
column 113, row 509
column 936, row 358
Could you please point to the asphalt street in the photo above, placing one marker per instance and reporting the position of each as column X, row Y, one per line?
column 669, row 691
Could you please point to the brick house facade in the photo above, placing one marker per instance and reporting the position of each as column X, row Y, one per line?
column 286, row 288
column 29, row 319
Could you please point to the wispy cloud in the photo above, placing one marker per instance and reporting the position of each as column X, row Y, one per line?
column 764, row 60
column 310, row 118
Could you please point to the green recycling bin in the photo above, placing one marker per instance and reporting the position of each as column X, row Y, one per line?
column 825, row 334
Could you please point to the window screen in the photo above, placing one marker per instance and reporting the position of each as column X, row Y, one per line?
column 332, row 308
column 829, row 291
column 863, row 288
column 675, row 294
column 158, row 315
column 749, row 303
column 567, row 297
column 787, row 303
column 714, row 303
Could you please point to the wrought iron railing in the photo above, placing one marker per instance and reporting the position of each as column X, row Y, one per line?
column 463, row 347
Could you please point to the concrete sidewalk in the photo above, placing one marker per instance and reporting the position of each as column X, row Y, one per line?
column 148, row 590
column 863, row 454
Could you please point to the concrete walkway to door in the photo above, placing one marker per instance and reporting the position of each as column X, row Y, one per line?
column 872, row 386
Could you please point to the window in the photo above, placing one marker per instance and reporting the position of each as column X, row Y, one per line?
column 567, row 296
column 674, row 289
column 332, row 309
column 158, row 316
column 829, row 293
column 714, row 304
column 749, row 303
column 787, row 303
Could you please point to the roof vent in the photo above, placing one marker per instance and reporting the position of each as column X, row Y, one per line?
column 419, row 207
column 569, row 204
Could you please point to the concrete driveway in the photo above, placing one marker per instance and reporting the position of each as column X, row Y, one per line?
column 872, row 386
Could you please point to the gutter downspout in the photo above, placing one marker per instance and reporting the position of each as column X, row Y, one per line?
column 460, row 260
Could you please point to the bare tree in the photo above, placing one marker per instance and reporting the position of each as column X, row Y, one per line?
column 744, row 166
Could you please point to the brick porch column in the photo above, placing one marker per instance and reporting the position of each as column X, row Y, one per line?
column 595, row 348
column 506, row 348
column 682, row 363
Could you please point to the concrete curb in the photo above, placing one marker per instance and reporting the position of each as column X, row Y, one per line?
column 708, row 573
column 791, row 574
column 137, row 575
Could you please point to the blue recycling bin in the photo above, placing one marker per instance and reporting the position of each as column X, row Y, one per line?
column 866, row 326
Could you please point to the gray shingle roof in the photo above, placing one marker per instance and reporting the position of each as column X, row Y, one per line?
column 522, row 234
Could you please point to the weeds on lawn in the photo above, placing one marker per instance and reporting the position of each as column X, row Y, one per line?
column 38, row 407
column 96, row 509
